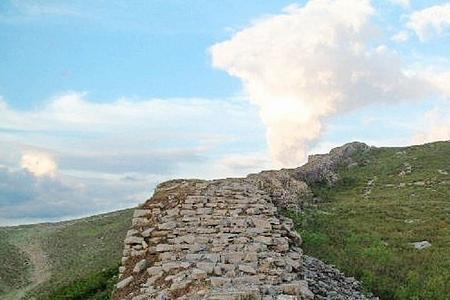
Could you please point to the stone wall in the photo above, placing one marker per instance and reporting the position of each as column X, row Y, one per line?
column 225, row 239
column 219, row 239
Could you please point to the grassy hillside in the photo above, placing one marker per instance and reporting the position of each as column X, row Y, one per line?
column 364, row 225
column 66, row 260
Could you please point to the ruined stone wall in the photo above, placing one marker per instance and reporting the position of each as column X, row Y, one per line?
column 218, row 239
column 225, row 239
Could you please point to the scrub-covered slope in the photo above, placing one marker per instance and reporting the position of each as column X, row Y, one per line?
column 65, row 260
column 387, row 221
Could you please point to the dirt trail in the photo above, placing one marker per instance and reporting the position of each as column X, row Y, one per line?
column 39, row 259
column 40, row 272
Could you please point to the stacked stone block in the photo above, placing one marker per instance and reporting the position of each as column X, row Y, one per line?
column 214, row 240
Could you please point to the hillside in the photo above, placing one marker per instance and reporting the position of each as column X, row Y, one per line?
column 361, row 215
column 78, row 257
column 366, row 222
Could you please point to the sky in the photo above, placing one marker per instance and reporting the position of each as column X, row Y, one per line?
column 102, row 100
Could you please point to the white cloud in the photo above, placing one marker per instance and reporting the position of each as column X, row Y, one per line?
column 310, row 63
column 239, row 165
column 402, row 3
column 111, row 155
column 430, row 21
column 440, row 80
column 401, row 37
column 127, row 125
column 39, row 163
column 435, row 126
column 155, row 136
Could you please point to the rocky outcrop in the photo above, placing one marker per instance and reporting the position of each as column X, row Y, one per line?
column 323, row 167
column 226, row 239
column 290, row 188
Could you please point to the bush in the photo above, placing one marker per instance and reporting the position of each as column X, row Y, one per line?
column 97, row 286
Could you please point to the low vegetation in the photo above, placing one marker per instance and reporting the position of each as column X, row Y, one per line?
column 67, row 260
column 366, row 223
column 98, row 286
column 15, row 265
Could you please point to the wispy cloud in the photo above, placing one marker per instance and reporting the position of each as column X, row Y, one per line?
column 431, row 21
column 435, row 126
column 39, row 8
column 26, row 10
column 72, row 156
column 402, row 3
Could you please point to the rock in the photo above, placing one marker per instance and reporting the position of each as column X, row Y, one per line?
column 421, row 245
column 132, row 232
column 286, row 297
column 169, row 266
column 247, row 269
column 168, row 225
column 123, row 283
column 147, row 232
column 138, row 213
column 219, row 281
column 164, row 247
column 154, row 270
column 326, row 282
column 140, row 222
column 199, row 274
column 442, row 172
column 264, row 239
column 304, row 291
column 131, row 240
column 140, row 266
column 205, row 266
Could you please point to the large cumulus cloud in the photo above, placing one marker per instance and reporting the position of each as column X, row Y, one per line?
column 312, row 62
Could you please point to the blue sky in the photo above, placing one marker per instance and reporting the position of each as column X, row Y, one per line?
column 101, row 100
column 119, row 48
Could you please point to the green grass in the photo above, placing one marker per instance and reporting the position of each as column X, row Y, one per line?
column 98, row 286
column 15, row 265
column 81, row 258
column 368, row 236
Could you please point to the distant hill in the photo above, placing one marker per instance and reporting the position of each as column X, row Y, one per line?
column 364, row 222
column 53, row 260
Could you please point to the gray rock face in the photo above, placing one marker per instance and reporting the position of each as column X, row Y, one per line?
column 288, row 188
column 322, row 167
